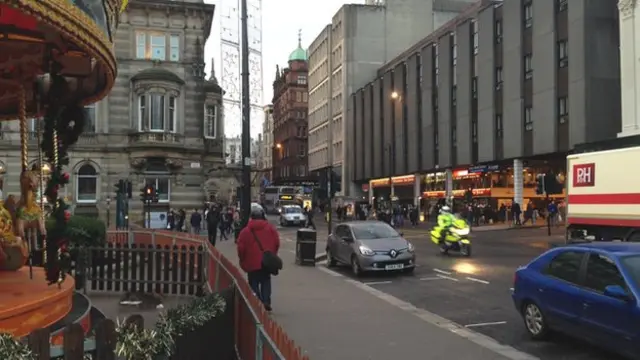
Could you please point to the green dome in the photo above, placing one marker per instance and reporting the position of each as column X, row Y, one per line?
column 298, row 54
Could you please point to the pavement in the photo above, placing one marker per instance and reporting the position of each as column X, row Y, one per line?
column 332, row 317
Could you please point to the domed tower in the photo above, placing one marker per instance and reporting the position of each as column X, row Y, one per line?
column 290, row 108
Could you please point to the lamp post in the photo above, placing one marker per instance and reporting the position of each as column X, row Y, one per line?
column 395, row 97
column 108, row 200
column 246, row 116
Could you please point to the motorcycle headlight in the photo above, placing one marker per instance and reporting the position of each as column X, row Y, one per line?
column 460, row 232
column 365, row 251
column 410, row 247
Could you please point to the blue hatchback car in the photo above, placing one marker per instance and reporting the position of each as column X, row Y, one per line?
column 588, row 291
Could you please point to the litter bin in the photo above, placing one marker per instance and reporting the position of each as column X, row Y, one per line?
column 306, row 247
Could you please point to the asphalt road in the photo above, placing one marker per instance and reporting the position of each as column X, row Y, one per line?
column 475, row 292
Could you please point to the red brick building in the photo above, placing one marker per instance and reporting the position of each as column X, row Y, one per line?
column 290, row 108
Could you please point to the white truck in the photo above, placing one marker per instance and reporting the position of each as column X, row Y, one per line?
column 603, row 195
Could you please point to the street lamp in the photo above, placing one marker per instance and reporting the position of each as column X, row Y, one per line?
column 395, row 95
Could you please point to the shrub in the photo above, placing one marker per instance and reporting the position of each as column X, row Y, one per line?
column 84, row 231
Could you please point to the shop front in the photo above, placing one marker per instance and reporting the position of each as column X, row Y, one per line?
column 398, row 190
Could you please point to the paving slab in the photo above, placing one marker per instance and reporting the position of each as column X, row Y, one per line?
column 333, row 317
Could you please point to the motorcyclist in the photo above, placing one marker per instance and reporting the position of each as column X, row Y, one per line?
column 445, row 220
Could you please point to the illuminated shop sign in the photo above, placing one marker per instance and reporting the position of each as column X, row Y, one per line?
column 485, row 192
column 286, row 197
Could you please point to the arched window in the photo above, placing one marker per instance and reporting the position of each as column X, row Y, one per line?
column 87, row 184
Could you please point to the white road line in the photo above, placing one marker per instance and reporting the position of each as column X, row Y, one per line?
column 486, row 324
column 329, row 271
column 478, row 280
column 448, row 278
column 288, row 240
column 292, row 251
column 377, row 282
column 442, row 272
column 431, row 278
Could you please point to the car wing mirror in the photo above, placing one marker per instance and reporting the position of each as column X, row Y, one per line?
column 617, row 292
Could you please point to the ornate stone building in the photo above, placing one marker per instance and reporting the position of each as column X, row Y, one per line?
column 290, row 105
column 161, row 124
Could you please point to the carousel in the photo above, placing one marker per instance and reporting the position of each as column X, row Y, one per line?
column 56, row 57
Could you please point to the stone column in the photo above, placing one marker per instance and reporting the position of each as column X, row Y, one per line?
column 448, row 185
column 416, row 190
column 630, row 76
column 517, row 182
column 370, row 192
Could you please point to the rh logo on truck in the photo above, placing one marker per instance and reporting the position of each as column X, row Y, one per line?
column 584, row 175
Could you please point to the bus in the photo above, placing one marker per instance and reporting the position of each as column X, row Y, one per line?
column 274, row 197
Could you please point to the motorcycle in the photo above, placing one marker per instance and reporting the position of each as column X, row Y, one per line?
column 456, row 238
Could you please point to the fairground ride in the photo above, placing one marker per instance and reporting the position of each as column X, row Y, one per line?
column 56, row 57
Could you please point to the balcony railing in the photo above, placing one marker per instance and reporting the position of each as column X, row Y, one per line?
column 157, row 138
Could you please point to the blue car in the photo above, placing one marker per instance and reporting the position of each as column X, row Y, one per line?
column 588, row 291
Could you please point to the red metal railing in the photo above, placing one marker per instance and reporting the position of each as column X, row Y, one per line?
column 257, row 335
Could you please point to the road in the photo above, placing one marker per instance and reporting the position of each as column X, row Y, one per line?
column 473, row 292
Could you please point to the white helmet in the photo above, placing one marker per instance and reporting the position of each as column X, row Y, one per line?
column 445, row 209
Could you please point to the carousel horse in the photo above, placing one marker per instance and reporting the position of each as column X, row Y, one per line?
column 13, row 250
column 28, row 213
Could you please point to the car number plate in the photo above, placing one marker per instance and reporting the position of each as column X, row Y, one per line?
column 394, row 267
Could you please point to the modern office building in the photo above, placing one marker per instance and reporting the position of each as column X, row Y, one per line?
column 484, row 102
column 160, row 125
column 345, row 56
column 267, row 143
column 290, row 105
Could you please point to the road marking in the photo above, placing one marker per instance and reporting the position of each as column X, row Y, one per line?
column 288, row 240
column 377, row 282
column 511, row 289
column 488, row 343
column 292, row 251
column 448, row 278
column 478, row 280
column 442, row 272
column 431, row 278
column 486, row 324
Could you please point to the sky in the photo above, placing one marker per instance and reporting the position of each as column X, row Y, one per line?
column 281, row 21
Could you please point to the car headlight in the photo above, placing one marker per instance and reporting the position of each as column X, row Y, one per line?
column 460, row 232
column 365, row 251
column 410, row 247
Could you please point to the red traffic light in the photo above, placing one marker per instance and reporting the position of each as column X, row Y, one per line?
column 149, row 190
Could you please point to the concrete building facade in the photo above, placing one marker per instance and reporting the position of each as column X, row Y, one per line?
column 267, row 142
column 344, row 57
column 504, row 81
column 160, row 125
column 290, row 105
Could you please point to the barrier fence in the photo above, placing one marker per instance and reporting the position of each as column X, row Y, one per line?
column 257, row 335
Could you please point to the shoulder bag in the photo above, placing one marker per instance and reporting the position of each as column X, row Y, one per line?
column 271, row 262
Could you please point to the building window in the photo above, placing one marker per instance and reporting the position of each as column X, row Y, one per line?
column 528, row 119
column 474, row 131
column 302, row 150
column 563, row 110
column 174, row 48
column 528, row 70
column 162, row 184
column 302, row 79
column 157, row 112
column 498, row 78
column 454, row 96
column 210, row 122
column 158, row 47
column 563, row 53
column 454, row 135
column 141, row 46
column 90, row 115
column 528, row 15
column 562, row 5
column 87, row 184
column 499, row 126
column 498, row 31
column 302, row 170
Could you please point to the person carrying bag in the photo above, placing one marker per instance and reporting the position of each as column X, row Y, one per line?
column 258, row 245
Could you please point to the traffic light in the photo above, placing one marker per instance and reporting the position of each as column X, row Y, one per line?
column 540, row 184
column 120, row 187
column 146, row 193
column 551, row 184
column 154, row 195
column 129, row 189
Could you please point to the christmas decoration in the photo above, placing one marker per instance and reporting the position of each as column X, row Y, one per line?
column 63, row 124
column 14, row 349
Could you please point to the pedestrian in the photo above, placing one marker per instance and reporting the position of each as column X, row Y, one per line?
column 196, row 221
column 310, row 223
column 213, row 219
column 257, row 239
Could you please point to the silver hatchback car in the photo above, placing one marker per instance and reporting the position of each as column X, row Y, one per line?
column 370, row 246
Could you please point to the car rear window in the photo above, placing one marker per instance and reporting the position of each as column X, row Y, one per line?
column 631, row 264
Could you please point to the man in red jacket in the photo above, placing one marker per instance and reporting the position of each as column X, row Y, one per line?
column 259, row 233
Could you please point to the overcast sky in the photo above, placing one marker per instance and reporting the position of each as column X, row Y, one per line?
column 281, row 20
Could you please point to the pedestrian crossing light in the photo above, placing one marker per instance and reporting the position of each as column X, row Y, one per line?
column 146, row 193
column 540, row 188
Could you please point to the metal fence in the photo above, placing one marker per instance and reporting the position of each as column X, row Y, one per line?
column 257, row 335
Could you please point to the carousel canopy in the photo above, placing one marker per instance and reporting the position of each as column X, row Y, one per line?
column 73, row 39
